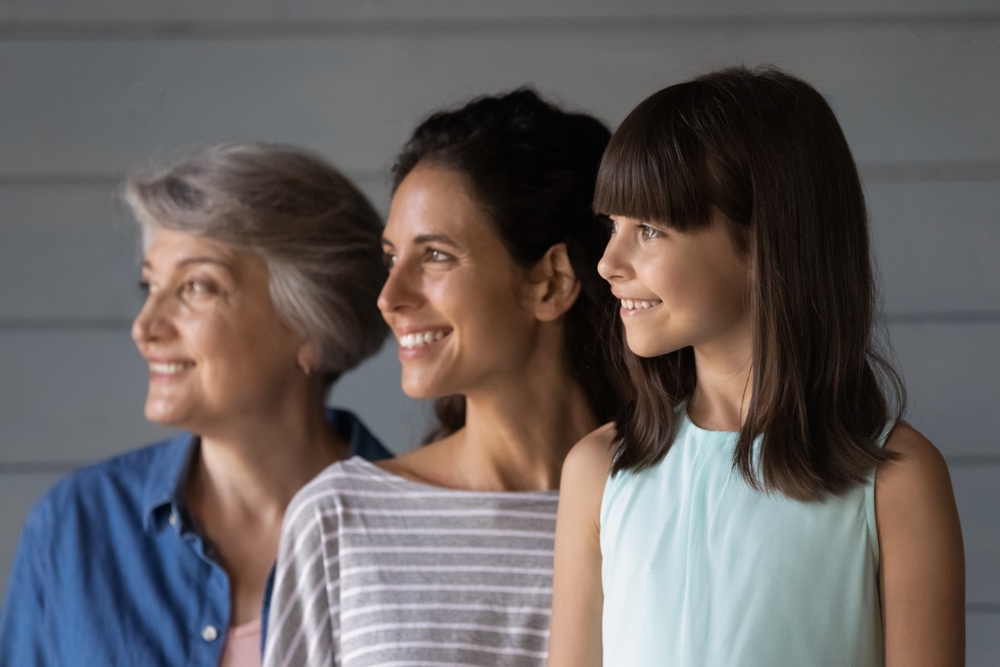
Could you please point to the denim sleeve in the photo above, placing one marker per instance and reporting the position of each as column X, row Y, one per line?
column 22, row 626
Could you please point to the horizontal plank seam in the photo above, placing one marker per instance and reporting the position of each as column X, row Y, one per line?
column 873, row 173
column 44, row 467
column 114, row 179
column 215, row 29
column 124, row 324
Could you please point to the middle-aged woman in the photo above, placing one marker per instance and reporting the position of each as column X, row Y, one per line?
column 444, row 555
column 262, row 265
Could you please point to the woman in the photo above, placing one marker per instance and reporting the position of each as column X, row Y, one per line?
column 261, row 266
column 444, row 555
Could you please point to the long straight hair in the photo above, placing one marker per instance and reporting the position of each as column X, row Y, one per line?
column 765, row 149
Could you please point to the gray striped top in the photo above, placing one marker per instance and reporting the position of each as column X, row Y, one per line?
column 374, row 569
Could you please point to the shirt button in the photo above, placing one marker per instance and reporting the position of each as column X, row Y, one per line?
column 209, row 633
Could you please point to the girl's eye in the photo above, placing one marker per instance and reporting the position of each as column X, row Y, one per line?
column 647, row 232
column 389, row 259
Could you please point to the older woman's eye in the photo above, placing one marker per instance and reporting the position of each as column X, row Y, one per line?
column 144, row 287
column 198, row 287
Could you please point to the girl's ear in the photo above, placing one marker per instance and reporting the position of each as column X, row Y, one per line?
column 308, row 359
column 552, row 284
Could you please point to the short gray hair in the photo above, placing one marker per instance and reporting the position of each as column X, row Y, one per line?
column 318, row 235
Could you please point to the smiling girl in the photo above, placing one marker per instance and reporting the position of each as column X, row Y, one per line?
column 445, row 555
column 759, row 502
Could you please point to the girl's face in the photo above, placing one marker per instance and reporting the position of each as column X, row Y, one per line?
column 453, row 294
column 676, row 288
column 216, row 348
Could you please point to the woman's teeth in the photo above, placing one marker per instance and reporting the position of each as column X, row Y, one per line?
column 168, row 368
column 412, row 340
column 632, row 304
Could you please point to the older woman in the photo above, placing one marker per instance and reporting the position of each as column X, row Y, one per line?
column 262, row 266
column 444, row 556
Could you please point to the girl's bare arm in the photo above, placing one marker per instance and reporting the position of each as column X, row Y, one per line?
column 922, row 574
column 577, row 596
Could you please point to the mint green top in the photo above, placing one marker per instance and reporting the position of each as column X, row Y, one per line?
column 701, row 570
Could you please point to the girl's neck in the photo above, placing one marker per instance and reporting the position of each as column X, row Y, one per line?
column 724, row 372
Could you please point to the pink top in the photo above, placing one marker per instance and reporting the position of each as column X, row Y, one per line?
column 242, row 646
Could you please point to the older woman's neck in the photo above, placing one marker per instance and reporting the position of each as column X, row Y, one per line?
column 262, row 460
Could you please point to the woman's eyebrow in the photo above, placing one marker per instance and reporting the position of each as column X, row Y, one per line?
column 435, row 238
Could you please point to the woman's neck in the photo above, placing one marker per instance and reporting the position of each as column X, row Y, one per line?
column 518, row 430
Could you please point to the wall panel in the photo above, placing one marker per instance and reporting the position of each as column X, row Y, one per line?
column 100, row 106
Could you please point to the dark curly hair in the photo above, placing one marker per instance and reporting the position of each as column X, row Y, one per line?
column 533, row 168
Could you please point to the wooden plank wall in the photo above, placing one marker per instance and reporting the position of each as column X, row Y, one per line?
column 89, row 88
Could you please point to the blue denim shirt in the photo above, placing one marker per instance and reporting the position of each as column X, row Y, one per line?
column 111, row 572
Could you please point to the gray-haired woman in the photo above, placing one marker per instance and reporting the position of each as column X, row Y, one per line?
column 262, row 265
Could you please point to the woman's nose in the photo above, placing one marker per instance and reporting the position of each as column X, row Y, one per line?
column 401, row 290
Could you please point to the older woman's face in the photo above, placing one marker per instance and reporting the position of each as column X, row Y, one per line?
column 452, row 297
column 216, row 348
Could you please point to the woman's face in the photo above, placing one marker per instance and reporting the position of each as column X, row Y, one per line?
column 216, row 348
column 676, row 288
column 452, row 297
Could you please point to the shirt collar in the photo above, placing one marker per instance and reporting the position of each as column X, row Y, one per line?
column 167, row 477
column 164, row 490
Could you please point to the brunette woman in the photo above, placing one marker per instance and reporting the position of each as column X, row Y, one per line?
column 444, row 555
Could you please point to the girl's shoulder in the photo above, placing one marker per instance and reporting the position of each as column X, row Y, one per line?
column 913, row 486
column 916, row 469
column 593, row 456
column 585, row 472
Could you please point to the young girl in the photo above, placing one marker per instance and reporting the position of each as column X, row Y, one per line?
column 759, row 502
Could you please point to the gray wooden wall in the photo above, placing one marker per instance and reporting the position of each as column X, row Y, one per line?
column 90, row 87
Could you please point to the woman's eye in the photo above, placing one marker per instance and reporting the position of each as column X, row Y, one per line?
column 389, row 259
column 439, row 255
column 144, row 287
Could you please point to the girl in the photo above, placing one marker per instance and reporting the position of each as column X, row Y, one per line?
column 759, row 502
column 444, row 557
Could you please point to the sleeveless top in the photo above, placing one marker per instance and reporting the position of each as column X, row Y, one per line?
column 701, row 570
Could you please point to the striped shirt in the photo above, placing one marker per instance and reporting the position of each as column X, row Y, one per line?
column 377, row 570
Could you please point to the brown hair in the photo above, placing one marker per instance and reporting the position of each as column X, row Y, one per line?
column 318, row 235
column 765, row 149
column 532, row 166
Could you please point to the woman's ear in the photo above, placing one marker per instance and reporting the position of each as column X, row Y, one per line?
column 553, row 284
column 307, row 359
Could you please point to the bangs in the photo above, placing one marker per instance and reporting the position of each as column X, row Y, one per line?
column 655, row 167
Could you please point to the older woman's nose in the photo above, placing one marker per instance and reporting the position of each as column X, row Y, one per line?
column 150, row 323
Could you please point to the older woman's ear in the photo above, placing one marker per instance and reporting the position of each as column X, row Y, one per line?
column 553, row 285
column 308, row 359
